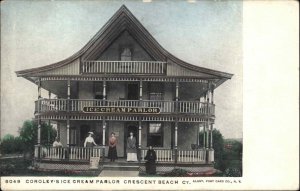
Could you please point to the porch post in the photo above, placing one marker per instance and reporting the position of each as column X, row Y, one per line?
column 177, row 91
column 68, row 117
column 49, row 121
column 140, row 139
column 141, row 90
column 39, row 132
column 103, row 131
column 211, row 136
column 176, row 141
column 68, row 131
column 176, row 121
column 207, row 121
column 39, row 88
column 204, row 130
column 69, row 89
column 39, row 104
column 212, row 93
column 104, row 89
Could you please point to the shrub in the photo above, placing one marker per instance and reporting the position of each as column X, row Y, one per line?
column 11, row 145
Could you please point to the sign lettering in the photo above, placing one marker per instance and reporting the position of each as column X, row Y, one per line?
column 138, row 110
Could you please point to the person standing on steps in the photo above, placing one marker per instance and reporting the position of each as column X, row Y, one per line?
column 112, row 147
column 151, row 161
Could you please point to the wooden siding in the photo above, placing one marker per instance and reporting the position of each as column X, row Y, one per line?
column 176, row 70
column 70, row 69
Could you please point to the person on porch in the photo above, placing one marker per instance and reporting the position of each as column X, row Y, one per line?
column 151, row 159
column 131, row 148
column 112, row 147
column 57, row 152
column 89, row 141
column 57, row 143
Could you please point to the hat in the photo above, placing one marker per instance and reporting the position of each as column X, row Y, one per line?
column 91, row 133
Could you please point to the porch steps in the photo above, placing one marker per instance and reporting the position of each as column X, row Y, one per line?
column 121, row 166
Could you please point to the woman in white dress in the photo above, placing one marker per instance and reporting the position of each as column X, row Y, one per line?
column 131, row 148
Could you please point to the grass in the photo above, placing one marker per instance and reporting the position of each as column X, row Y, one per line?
column 19, row 167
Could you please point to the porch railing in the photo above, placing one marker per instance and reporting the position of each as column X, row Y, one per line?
column 68, row 153
column 125, row 67
column 162, row 155
column 187, row 156
column 183, row 156
column 77, row 105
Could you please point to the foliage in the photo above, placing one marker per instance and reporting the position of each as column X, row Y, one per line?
column 27, row 139
column 233, row 172
column 226, row 159
column 218, row 146
column 177, row 172
column 29, row 134
column 11, row 144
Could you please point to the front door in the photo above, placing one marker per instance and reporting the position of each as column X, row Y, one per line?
column 133, row 91
column 84, row 129
column 130, row 127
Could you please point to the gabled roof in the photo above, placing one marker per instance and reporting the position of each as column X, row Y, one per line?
column 123, row 20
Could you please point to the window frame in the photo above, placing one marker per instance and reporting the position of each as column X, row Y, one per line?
column 161, row 134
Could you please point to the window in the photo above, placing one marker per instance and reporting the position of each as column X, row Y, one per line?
column 73, row 136
column 156, row 91
column 126, row 54
column 155, row 135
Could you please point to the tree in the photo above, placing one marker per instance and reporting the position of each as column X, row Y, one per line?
column 11, row 145
column 218, row 146
column 29, row 134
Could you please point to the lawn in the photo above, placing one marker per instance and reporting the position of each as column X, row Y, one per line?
column 19, row 167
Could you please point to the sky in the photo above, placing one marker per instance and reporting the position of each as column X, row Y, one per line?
column 38, row 33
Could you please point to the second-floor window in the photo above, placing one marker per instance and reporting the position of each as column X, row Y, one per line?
column 156, row 91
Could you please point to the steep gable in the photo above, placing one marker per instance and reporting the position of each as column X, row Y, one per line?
column 125, row 40
column 121, row 23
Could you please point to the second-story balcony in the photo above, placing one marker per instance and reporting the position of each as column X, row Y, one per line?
column 123, row 67
column 165, row 107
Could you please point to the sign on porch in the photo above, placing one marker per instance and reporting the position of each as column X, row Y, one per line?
column 140, row 110
column 94, row 162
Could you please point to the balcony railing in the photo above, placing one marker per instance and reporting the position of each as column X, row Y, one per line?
column 77, row 105
column 123, row 67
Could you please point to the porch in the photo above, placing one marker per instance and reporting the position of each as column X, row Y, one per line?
column 84, row 154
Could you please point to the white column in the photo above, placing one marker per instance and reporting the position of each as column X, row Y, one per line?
column 177, row 91
column 39, row 88
column 212, row 93
column 69, row 89
column 49, row 122
column 141, row 90
column 68, row 107
column 103, row 131
column 207, row 121
column 176, row 135
column 39, row 105
column 104, row 89
column 39, row 132
column 140, row 134
column 211, row 136
column 207, row 134
column 68, row 132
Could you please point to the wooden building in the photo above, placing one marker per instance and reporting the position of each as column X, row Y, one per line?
column 123, row 80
